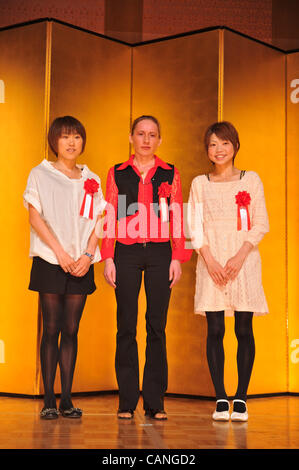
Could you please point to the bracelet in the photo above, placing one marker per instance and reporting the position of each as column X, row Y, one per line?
column 89, row 255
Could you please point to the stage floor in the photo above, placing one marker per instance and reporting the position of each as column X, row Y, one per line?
column 273, row 424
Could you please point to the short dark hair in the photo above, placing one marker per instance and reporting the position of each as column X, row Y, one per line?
column 142, row 118
column 68, row 125
column 224, row 130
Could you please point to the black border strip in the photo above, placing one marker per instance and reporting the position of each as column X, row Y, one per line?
column 293, row 51
column 64, row 23
column 204, row 30
column 74, row 394
column 151, row 41
column 170, row 395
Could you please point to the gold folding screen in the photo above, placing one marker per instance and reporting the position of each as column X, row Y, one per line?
column 177, row 81
column 48, row 69
column 254, row 100
column 292, row 103
column 22, row 131
column 91, row 80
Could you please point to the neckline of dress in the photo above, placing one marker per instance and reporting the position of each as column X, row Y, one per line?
column 226, row 182
column 49, row 165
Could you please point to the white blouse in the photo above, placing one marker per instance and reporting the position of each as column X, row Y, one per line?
column 58, row 199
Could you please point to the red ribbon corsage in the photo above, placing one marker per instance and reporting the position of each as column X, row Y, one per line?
column 243, row 200
column 164, row 191
column 91, row 186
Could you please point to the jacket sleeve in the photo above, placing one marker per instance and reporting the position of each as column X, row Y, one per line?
column 110, row 221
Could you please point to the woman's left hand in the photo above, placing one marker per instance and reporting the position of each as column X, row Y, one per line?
column 83, row 265
column 175, row 272
column 233, row 266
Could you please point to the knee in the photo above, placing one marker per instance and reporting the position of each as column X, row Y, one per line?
column 50, row 333
column 216, row 329
column 155, row 326
column 126, row 334
column 216, row 332
column 243, row 332
column 216, row 325
column 69, row 333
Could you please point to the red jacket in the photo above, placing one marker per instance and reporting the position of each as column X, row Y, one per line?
column 144, row 226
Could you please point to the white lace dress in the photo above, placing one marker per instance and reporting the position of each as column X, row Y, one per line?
column 213, row 221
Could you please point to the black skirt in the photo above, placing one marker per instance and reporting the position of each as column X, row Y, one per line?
column 51, row 279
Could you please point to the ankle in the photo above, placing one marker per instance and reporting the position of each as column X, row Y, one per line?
column 65, row 403
column 222, row 404
column 239, row 406
column 50, row 401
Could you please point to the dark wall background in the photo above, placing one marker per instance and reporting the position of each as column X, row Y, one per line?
column 272, row 21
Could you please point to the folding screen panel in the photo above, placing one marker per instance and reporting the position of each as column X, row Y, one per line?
column 254, row 100
column 177, row 81
column 22, row 132
column 292, row 97
column 91, row 80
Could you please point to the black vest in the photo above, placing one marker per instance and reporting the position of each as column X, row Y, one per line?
column 127, row 182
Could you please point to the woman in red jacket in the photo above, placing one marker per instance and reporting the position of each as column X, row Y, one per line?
column 144, row 210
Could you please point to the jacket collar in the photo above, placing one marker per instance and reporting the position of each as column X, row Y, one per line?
column 158, row 162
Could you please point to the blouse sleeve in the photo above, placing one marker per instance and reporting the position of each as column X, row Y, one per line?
column 110, row 222
column 259, row 219
column 195, row 216
column 101, row 202
column 31, row 194
column 179, row 250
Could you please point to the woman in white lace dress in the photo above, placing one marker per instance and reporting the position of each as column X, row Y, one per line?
column 227, row 220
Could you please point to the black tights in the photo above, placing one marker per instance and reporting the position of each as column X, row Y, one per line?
column 245, row 353
column 61, row 315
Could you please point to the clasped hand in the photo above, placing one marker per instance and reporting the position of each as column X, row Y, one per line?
column 76, row 268
column 221, row 275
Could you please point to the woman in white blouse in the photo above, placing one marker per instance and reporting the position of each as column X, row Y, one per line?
column 64, row 200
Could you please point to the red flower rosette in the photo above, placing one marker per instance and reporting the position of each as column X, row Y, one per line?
column 243, row 200
column 164, row 189
column 91, row 186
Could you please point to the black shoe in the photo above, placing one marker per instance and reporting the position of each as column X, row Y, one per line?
column 49, row 413
column 153, row 414
column 71, row 412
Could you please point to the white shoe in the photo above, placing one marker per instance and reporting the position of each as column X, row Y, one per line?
column 221, row 415
column 236, row 416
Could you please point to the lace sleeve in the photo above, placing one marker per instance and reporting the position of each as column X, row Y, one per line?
column 179, row 250
column 195, row 216
column 260, row 221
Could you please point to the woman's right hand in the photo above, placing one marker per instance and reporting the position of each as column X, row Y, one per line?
column 215, row 270
column 65, row 261
column 110, row 272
